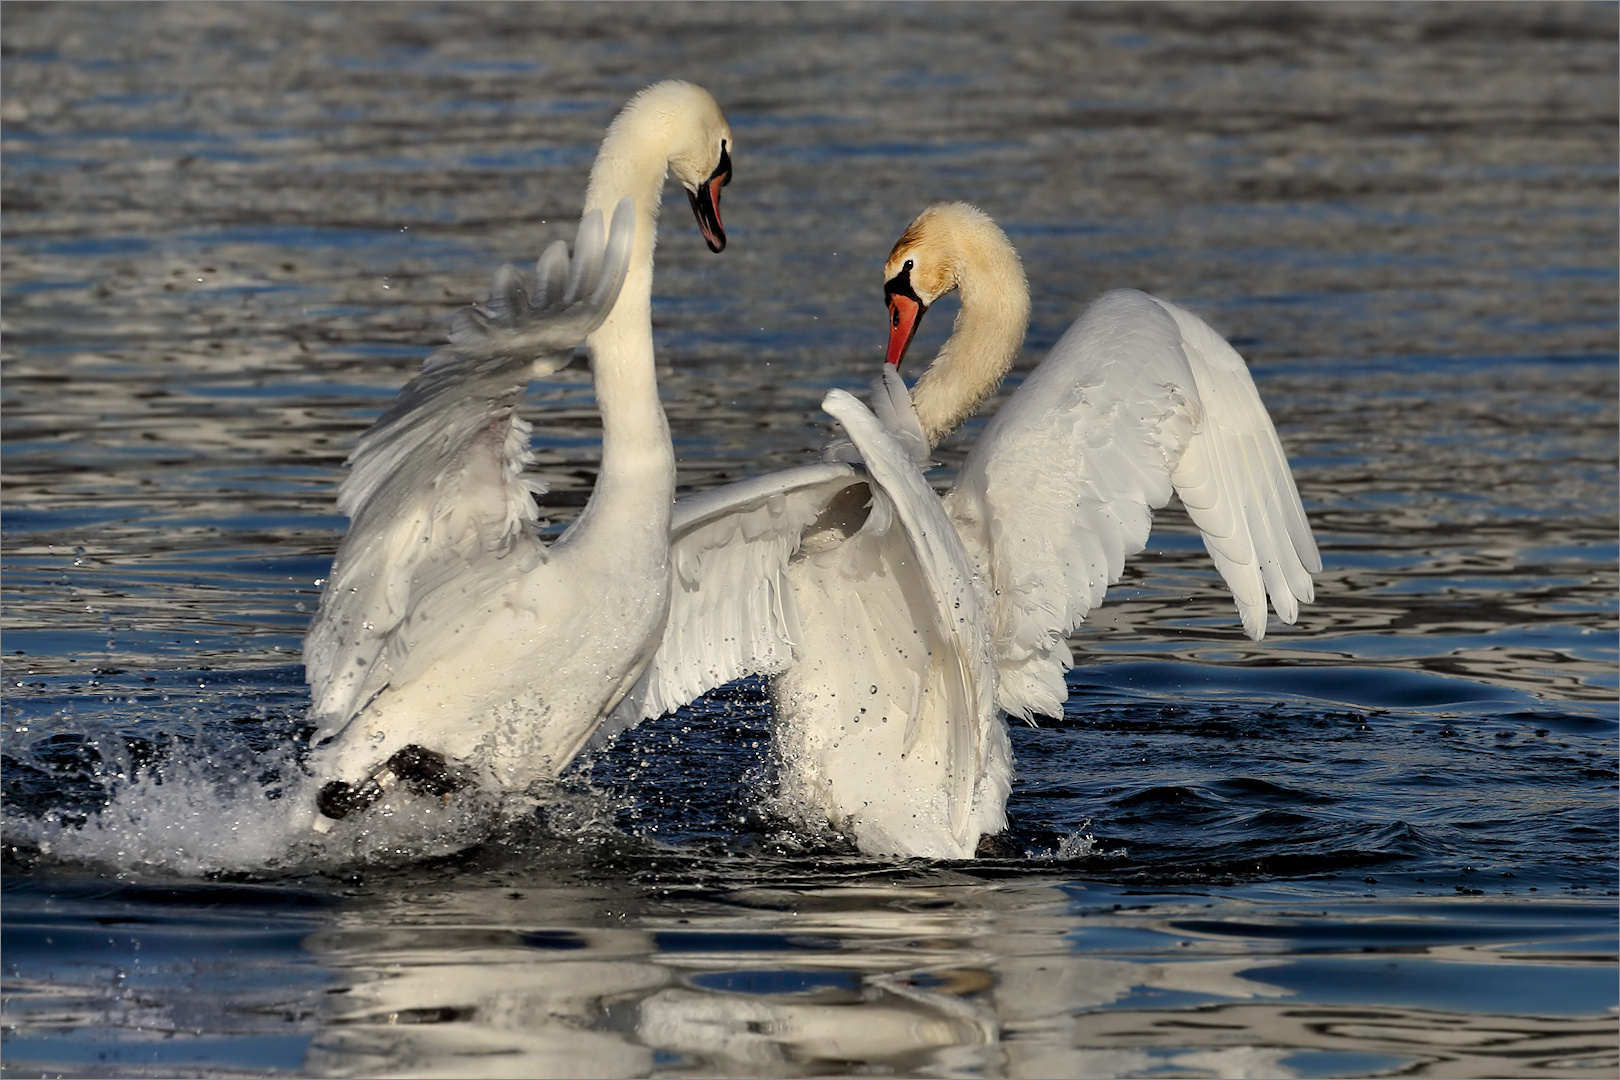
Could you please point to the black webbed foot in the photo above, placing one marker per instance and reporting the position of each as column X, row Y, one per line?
column 340, row 798
column 423, row 772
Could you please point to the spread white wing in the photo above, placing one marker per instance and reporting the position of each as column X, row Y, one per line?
column 1139, row 398
column 1235, row 482
column 441, row 512
column 731, row 611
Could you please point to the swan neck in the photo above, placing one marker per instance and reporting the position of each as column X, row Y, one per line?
column 984, row 342
column 630, row 503
column 633, row 161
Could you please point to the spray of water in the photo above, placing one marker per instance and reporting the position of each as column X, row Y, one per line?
column 194, row 816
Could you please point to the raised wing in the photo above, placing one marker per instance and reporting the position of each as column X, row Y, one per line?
column 1139, row 398
column 938, row 581
column 438, row 502
column 851, row 585
column 731, row 611
column 1235, row 482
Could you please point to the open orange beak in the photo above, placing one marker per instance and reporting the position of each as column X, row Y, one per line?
column 706, row 202
column 905, row 312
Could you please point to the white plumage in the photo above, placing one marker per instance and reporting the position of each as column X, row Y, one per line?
column 441, row 509
column 901, row 628
column 447, row 624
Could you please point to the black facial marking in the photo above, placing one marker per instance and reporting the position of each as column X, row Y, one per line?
column 901, row 284
column 723, row 170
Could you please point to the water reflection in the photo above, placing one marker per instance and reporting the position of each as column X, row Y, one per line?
column 567, row 968
column 1006, row 979
column 1268, row 1040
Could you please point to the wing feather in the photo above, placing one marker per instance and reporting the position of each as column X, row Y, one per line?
column 731, row 610
column 1137, row 400
column 942, row 570
column 439, row 504
column 1256, row 482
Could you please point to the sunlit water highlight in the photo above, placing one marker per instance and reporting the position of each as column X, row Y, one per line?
column 1382, row 841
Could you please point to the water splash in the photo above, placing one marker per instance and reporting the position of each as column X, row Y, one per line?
column 195, row 815
column 1079, row 844
column 190, row 817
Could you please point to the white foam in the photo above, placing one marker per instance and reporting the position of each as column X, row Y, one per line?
column 187, row 819
column 198, row 817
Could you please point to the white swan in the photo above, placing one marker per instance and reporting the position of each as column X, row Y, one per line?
column 902, row 628
column 448, row 626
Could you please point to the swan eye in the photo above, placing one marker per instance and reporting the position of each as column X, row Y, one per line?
column 909, row 265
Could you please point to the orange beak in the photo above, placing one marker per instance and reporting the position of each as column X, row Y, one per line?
column 905, row 313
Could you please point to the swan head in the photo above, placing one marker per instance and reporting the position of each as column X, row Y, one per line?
column 705, row 195
column 956, row 246
column 701, row 154
column 670, row 127
column 906, row 307
column 926, row 263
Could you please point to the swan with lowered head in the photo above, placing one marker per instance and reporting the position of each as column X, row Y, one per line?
column 901, row 628
column 448, row 628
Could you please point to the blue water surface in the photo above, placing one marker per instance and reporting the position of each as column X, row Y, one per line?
column 1380, row 841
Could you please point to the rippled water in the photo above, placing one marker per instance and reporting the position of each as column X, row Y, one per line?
column 1381, row 841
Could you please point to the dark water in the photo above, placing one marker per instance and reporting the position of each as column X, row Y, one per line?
column 1382, row 841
